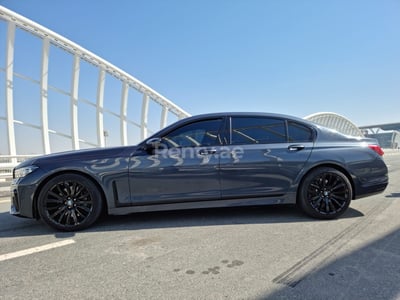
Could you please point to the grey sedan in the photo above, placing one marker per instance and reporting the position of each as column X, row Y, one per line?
column 213, row 160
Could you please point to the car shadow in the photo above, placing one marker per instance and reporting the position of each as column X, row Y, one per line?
column 11, row 226
column 369, row 272
column 393, row 195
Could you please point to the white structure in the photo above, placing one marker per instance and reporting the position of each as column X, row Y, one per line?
column 130, row 98
column 336, row 122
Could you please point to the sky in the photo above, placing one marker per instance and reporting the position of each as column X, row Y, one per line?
column 294, row 57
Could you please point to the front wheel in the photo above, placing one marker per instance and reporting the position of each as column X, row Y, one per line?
column 325, row 193
column 69, row 202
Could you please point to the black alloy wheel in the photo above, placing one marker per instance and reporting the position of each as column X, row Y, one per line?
column 325, row 193
column 69, row 202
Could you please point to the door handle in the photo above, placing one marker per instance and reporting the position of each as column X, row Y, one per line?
column 207, row 151
column 296, row 147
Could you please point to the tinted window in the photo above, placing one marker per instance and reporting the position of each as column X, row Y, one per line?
column 299, row 133
column 203, row 133
column 258, row 130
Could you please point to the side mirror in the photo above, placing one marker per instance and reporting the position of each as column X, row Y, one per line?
column 153, row 144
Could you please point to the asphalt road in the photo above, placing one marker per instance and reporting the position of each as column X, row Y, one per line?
column 242, row 253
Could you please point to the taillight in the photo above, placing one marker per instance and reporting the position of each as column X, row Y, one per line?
column 377, row 149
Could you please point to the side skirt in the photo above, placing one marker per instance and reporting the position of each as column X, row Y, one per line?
column 202, row 204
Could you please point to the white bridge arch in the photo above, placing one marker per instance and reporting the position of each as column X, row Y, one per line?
column 10, row 24
column 336, row 122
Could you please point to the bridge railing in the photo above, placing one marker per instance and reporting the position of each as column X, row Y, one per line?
column 135, row 110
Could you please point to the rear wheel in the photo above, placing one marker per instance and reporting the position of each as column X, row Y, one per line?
column 325, row 193
column 69, row 202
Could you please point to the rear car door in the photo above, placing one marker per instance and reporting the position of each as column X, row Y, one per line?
column 264, row 157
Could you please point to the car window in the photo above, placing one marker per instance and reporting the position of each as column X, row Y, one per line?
column 258, row 130
column 299, row 132
column 198, row 134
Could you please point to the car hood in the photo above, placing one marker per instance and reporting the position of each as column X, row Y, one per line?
column 86, row 154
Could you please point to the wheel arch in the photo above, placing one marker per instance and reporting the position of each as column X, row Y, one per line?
column 63, row 172
column 327, row 165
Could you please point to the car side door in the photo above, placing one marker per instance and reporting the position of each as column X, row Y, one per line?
column 182, row 167
column 264, row 157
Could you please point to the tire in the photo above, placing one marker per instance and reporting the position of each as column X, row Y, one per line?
column 325, row 193
column 69, row 202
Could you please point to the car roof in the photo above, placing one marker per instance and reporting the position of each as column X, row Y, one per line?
column 248, row 114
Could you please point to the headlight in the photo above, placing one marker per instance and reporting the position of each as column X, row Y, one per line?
column 22, row 172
